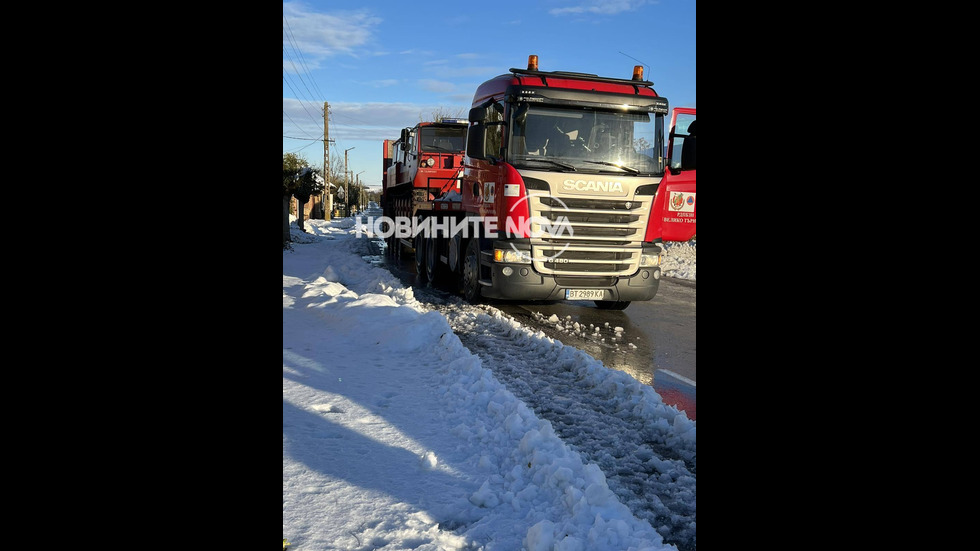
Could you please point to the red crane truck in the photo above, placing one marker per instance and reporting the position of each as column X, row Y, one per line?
column 556, row 196
column 423, row 164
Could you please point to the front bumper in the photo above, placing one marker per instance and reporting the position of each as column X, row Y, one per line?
column 524, row 283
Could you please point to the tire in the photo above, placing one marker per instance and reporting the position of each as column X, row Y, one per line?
column 389, row 243
column 611, row 304
column 420, row 258
column 433, row 268
column 396, row 249
column 469, row 273
column 453, row 253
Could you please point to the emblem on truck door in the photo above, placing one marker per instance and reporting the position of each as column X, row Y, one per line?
column 489, row 192
column 683, row 202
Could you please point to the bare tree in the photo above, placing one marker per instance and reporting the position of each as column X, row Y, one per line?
column 445, row 112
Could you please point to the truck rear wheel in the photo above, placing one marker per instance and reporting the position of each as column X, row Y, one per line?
column 433, row 267
column 420, row 257
column 611, row 304
column 470, row 272
column 390, row 242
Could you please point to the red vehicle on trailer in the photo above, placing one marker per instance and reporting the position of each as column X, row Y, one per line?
column 423, row 164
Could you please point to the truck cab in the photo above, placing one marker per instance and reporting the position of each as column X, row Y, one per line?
column 424, row 164
column 425, row 160
column 568, row 166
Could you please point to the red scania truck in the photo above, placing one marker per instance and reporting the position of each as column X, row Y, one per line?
column 555, row 199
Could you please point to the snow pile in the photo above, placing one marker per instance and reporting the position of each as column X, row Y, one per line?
column 535, row 481
column 647, row 449
column 395, row 436
column 596, row 333
column 680, row 259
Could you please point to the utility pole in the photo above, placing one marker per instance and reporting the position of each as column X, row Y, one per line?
column 360, row 190
column 347, row 191
column 326, row 197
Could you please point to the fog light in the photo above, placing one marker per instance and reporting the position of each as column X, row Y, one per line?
column 656, row 274
column 507, row 271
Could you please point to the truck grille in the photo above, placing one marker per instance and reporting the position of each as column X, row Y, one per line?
column 588, row 237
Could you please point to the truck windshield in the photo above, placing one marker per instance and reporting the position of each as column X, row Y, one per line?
column 443, row 139
column 589, row 140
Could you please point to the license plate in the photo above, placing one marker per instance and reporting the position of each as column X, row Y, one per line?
column 583, row 294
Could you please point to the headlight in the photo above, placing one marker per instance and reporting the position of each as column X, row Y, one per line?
column 649, row 260
column 510, row 256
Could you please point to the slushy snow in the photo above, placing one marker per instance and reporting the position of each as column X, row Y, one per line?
column 396, row 436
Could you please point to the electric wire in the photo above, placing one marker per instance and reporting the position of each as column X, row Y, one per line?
column 296, row 72
column 302, row 60
column 298, row 127
column 300, row 96
column 312, row 117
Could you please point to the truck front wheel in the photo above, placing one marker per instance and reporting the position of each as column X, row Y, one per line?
column 470, row 272
column 611, row 304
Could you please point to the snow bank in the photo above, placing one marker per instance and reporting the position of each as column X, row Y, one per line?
column 535, row 482
column 396, row 436
column 680, row 259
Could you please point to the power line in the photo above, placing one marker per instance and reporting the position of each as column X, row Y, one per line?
column 316, row 119
column 298, row 127
column 287, row 30
column 305, row 146
column 296, row 72
column 299, row 95
column 302, row 60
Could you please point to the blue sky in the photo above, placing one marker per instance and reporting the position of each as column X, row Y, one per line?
column 383, row 64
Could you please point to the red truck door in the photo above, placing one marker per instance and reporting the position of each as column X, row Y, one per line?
column 678, row 190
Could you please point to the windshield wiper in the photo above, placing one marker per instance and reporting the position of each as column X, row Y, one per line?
column 626, row 168
column 566, row 166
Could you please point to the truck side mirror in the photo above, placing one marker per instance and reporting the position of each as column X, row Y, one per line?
column 478, row 114
column 482, row 121
column 404, row 139
column 476, row 138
